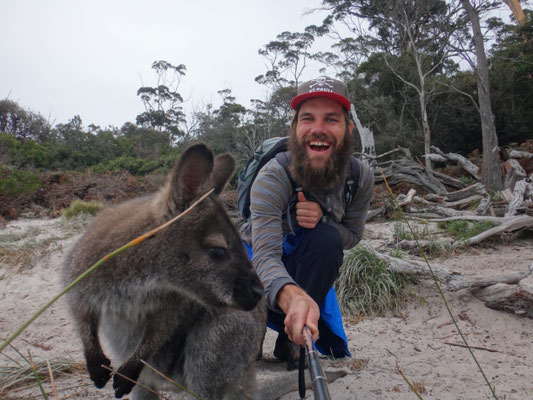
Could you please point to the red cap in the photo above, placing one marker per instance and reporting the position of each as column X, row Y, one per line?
column 322, row 87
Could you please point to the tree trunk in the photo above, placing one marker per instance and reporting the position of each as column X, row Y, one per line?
column 490, row 174
column 368, row 147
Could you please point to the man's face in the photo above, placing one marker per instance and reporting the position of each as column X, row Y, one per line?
column 321, row 128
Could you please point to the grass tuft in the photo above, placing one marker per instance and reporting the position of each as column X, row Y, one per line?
column 82, row 207
column 21, row 375
column 366, row 286
column 462, row 230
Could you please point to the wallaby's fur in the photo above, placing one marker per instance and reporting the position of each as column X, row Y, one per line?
column 187, row 300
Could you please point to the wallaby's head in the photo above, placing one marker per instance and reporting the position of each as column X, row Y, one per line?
column 202, row 253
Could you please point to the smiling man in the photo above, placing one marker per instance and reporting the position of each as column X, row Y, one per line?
column 297, row 240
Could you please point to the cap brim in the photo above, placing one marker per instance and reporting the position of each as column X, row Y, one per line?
column 295, row 102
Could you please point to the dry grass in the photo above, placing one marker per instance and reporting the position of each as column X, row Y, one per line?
column 20, row 375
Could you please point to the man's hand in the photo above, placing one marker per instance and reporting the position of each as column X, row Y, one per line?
column 308, row 213
column 301, row 310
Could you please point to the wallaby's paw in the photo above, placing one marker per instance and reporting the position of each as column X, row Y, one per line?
column 122, row 385
column 285, row 350
column 98, row 374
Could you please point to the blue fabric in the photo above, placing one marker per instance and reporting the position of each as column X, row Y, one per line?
column 329, row 311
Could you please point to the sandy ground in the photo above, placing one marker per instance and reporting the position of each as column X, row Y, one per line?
column 422, row 342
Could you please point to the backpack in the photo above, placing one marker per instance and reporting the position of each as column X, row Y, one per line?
column 269, row 149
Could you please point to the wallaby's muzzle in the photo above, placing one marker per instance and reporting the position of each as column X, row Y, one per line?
column 248, row 291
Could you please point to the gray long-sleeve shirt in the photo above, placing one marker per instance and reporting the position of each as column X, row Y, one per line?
column 270, row 195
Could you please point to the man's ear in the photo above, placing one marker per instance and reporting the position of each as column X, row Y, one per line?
column 351, row 125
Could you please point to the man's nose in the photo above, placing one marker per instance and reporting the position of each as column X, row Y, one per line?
column 318, row 126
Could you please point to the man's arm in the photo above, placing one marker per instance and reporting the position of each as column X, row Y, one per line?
column 301, row 310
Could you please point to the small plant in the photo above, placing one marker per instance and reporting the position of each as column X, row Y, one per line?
column 82, row 207
column 462, row 230
column 420, row 231
column 366, row 286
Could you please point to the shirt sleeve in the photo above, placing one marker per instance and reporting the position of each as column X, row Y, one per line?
column 353, row 224
column 270, row 195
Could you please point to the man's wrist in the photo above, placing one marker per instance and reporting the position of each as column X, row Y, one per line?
column 286, row 294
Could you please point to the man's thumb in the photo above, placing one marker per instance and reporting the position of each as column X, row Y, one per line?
column 301, row 196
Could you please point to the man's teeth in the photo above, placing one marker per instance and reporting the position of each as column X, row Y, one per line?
column 319, row 144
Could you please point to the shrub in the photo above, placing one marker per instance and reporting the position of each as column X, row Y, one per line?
column 82, row 207
column 17, row 186
column 366, row 286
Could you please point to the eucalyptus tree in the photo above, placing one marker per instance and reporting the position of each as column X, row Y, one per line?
column 412, row 36
column 473, row 51
column 163, row 109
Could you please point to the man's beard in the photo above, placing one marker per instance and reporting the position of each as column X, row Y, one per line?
column 328, row 176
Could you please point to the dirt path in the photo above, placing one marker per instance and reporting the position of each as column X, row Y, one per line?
column 422, row 342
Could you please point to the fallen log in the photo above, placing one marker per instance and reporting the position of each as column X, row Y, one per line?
column 517, row 299
column 520, row 154
column 464, row 163
column 513, row 172
column 507, row 225
column 477, row 188
column 453, row 281
column 438, row 210
column 523, row 190
column 512, row 292
column 411, row 172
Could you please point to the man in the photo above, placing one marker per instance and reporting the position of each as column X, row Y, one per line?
column 297, row 254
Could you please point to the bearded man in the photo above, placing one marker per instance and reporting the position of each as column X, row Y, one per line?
column 297, row 251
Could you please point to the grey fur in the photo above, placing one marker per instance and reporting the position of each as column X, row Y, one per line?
column 186, row 300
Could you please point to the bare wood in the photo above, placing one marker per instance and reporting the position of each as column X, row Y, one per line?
column 463, row 202
column 477, row 188
column 513, row 173
column 368, row 145
column 520, row 154
column 508, row 225
column 517, row 299
column 453, row 281
column 522, row 191
column 497, row 220
column 464, row 163
column 439, row 210
column 448, row 180
column 406, row 199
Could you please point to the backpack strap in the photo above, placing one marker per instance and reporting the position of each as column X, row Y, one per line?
column 284, row 159
column 352, row 181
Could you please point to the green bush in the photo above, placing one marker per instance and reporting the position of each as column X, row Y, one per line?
column 366, row 286
column 82, row 207
column 17, row 187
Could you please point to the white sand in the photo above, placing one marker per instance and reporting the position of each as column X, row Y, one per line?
column 420, row 342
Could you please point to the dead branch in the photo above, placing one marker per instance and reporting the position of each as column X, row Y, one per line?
column 508, row 225
column 520, row 154
column 465, row 164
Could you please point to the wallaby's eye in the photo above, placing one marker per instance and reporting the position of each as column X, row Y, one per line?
column 218, row 253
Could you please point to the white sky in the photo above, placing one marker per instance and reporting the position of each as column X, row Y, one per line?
column 66, row 57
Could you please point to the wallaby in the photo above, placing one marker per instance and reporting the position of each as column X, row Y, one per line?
column 187, row 300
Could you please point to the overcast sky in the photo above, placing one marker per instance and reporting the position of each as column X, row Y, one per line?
column 66, row 57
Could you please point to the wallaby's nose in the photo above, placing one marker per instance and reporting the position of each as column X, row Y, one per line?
column 248, row 292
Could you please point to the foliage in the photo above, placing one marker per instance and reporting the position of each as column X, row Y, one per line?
column 82, row 207
column 366, row 286
column 462, row 229
column 21, row 123
column 162, row 102
column 16, row 187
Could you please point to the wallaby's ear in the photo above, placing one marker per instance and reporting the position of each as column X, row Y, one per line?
column 223, row 171
column 191, row 173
